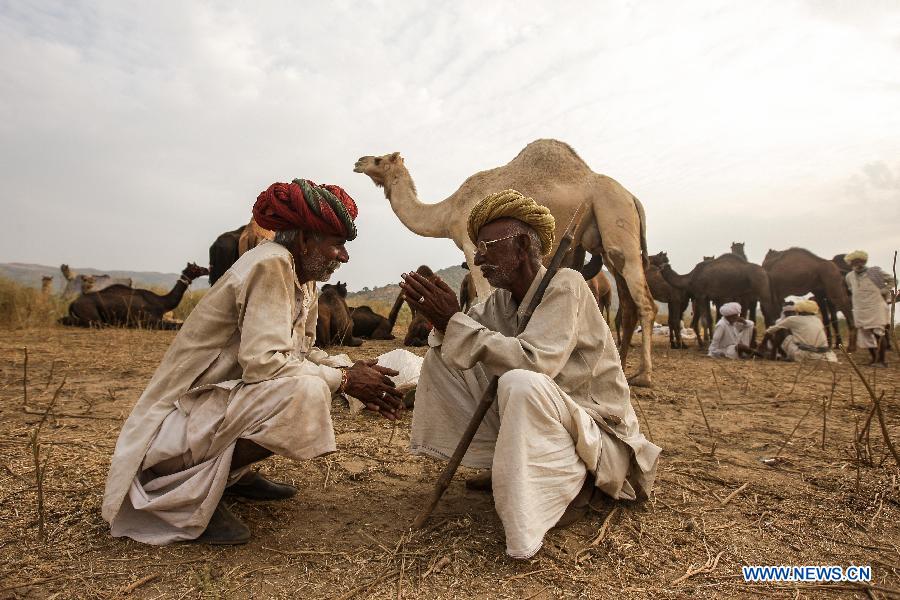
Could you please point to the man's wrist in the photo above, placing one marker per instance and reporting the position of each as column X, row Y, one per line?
column 345, row 378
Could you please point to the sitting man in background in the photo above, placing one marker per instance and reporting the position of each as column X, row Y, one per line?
column 870, row 290
column 733, row 334
column 563, row 425
column 801, row 336
column 242, row 381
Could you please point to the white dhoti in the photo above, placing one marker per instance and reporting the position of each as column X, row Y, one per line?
column 867, row 337
column 538, row 442
column 188, row 463
column 796, row 353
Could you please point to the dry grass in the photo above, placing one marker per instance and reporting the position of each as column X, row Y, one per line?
column 345, row 534
column 22, row 306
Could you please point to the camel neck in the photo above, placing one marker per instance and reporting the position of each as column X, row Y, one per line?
column 173, row 298
column 428, row 220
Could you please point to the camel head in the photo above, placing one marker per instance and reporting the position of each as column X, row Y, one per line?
column 738, row 248
column 46, row 279
column 87, row 283
column 340, row 288
column 708, row 258
column 377, row 167
column 192, row 271
column 660, row 259
column 67, row 273
column 425, row 271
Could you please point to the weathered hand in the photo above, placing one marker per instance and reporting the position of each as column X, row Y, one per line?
column 370, row 384
column 434, row 298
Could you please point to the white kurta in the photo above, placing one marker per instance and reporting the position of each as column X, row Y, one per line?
column 870, row 308
column 806, row 332
column 243, row 365
column 727, row 336
column 562, row 409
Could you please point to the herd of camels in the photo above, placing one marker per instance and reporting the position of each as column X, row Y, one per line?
column 612, row 230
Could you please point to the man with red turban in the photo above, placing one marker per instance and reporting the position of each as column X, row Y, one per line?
column 242, row 381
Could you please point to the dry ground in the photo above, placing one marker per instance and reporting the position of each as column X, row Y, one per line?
column 716, row 507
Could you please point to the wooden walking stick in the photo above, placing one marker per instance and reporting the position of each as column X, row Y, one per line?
column 487, row 398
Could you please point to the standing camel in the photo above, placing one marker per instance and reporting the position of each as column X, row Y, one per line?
column 797, row 272
column 676, row 298
column 552, row 173
column 128, row 307
column 602, row 291
column 727, row 278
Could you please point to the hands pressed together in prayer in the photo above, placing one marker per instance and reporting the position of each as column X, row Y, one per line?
column 371, row 385
column 434, row 298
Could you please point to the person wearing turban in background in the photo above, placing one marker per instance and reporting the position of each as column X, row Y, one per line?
column 800, row 336
column 870, row 291
column 733, row 334
column 242, row 381
column 563, row 426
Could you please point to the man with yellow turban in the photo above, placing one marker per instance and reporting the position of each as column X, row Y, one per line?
column 800, row 336
column 242, row 381
column 562, row 427
column 870, row 291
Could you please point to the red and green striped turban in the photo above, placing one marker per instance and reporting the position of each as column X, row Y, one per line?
column 302, row 204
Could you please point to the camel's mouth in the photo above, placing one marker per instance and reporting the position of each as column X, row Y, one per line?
column 360, row 165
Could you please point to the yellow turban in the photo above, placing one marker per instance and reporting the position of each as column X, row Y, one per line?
column 511, row 204
column 857, row 254
column 806, row 306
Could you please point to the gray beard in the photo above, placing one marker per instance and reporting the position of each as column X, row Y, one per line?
column 319, row 268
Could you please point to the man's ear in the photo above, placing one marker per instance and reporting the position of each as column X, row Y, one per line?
column 303, row 242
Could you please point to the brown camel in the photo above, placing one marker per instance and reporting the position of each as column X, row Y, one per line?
column 551, row 172
column 223, row 253
column 797, row 272
column 369, row 325
column 602, row 291
column 46, row 286
column 676, row 298
column 728, row 278
column 123, row 306
column 334, row 326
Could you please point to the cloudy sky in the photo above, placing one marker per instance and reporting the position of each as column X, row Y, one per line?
column 131, row 134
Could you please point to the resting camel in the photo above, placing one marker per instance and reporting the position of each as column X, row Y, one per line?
column 75, row 283
column 419, row 327
column 614, row 226
column 725, row 279
column 675, row 298
column 223, row 253
column 46, row 286
column 334, row 326
column 123, row 306
column 369, row 325
column 797, row 272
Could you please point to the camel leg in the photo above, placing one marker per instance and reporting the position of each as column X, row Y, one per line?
column 626, row 319
column 638, row 293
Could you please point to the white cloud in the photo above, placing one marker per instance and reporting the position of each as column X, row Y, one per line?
column 132, row 134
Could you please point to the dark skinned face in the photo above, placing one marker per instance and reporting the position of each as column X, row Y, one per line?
column 502, row 263
column 318, row 257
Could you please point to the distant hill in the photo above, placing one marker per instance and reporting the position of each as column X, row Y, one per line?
column 30, row 275
column 388, row 293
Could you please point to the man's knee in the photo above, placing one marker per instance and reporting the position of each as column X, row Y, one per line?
column 521, row 386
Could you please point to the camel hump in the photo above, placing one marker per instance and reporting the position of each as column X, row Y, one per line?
column 549, row 155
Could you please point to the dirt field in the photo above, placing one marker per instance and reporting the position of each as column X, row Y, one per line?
column 717, row 505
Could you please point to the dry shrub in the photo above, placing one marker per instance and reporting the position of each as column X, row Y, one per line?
column 22, row 306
